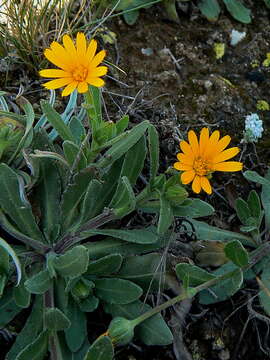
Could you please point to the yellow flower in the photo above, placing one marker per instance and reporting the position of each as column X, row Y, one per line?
column 199, row 159
column 78, row 65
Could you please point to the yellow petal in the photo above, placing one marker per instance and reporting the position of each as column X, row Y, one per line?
column 206, row 185
column 70, row 88
column 58, row 83
column 70, row 48
column 193, row 140
column 56, row 60
column 213, row 141
column 99, row 71
column 222, row 144
column 228, row 166
column 62, row 55
column 82, row 87
column 97, row 59
column 187, row 176
column 226, row 154
column 81, row 45
column 182, row 167
column 54, row 73
column 204, row 139
column 186, row 148
column 185, row 159
column 95, row 81
column 196, row 185
column 91, row 50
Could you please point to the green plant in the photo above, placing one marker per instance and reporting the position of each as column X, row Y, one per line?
column 64, row 207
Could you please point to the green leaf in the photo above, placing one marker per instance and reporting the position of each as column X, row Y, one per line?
column 101, row 349
column 22, row 297
column 36, row 350
column 122, row 124
column 30, row 331
column 153, row 144
column 49, row 194
column 254, row 205
column 197, row 208
column 91, row 199
column 225, row 288
column 105, row 266
column 265, row 198
column 148, row 271
column 194, row 274
column 166, row 215
column 126, row 201
column 264, row 294
column 153, row 331
column 134, row 161
column 210, row 9
column 56, row 121
column 117, row 291
column 39, row 283
column 212, row 233
column 4, row 264
column 55, row 319
column 267, row 3
column 236, row 252
column 238, row 11
column 73, row 263
column 122, row 146
column 90, row 304
column 14, row 203
column 71, row 151
column 77, row 129
column 8, row 308
column 242, row 210
column 137, row 236
column 73, row 195
column 77, row 332
column 255, row 177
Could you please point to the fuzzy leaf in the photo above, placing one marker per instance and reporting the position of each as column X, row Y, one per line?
column 210, row 9
column 101, row 349
column 193, row 274
column 9, row 251
column 39, row 283
column 238, row 11
column 73, row 263
column 117, row 291
column 236, row 252
column 55, row 319
column 76, row 334
column 35, row 350
column 105, row 266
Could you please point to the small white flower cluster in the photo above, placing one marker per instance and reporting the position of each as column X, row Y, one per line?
column 237, row 36
column 253, row 128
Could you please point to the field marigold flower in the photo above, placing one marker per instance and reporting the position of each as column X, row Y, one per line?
column 199, row 159
column 78, row 65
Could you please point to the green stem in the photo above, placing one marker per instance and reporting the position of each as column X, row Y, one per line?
column 257, row 255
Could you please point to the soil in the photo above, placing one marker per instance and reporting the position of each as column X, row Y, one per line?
column 173, row 79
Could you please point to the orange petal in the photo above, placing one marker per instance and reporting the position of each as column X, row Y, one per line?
column 226, row 154
column 185, row 159
column 186, row 148
column 182, row 167
column 98, row 71
column 82, row 87
column 228, row 166
column 70, row 88
column 193, row 140
column 196, row 185
column 204, row 139
column 58, row 83
column 206, row 185
column 54, row 73
column 187, row 176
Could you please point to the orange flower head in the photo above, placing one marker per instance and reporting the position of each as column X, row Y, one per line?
column 79, row 65
column 199, row 159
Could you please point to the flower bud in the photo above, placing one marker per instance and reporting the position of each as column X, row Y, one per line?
column 176, row 194
column 121, row 331
column 81, row 290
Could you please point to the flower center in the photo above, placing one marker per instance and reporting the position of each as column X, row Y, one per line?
column 201, row 167
column 80, row 73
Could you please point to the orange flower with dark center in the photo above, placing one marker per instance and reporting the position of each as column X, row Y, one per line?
column 199, row 159
column 79, row 65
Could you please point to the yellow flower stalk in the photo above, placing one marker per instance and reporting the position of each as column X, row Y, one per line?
column 78, row 63
column 200, row 158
